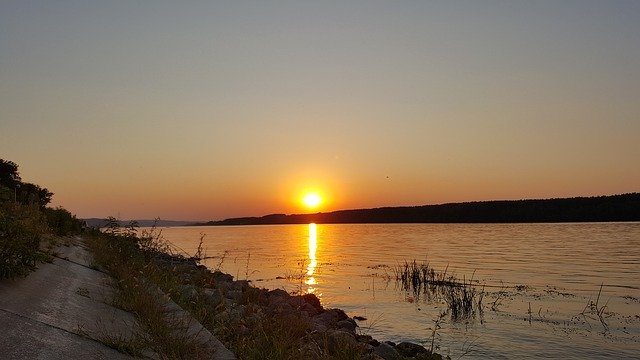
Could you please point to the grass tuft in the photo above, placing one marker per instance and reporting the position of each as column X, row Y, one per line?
column 463, row 299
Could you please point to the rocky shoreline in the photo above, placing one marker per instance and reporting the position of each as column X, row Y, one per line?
column 238, row 302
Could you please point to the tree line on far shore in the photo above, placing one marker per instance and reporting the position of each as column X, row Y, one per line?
column 624, row 207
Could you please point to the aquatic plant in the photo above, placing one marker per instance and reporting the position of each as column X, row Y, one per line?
column 434, row 331
column 593, row 310
column 463, row 299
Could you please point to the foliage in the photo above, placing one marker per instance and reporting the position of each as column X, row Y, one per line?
column 113, row 227
column 21, row 228
column 61, row 222
column 23, row 192
column 9, row 176
column 24, row 219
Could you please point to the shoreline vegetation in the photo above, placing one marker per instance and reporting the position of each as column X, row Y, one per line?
column 610, row 208
column 254, row 323
column 28, row 227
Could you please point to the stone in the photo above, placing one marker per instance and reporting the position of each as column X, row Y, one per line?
column 278, row 293
column 308, row 310
column 342, row 337
column 313, row 300
column 367, row 339
column 241, row 285
column 214, row 296
column 220, row 277
column 188, row 292
column 372, row 356
column 347, row 324
column 408, row 349
column 387, row 352
column 234, row 294
column 325, row 320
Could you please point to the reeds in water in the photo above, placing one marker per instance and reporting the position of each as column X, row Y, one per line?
column 463, row 299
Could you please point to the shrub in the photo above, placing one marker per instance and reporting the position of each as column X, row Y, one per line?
column 61, row 222
column 21, row 228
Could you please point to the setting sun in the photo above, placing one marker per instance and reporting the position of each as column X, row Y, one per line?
column 312, row 200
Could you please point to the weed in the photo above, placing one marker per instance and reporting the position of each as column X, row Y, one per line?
column 462, row 297
column 21, row 230
column 133, row 346
column 498, row 300
column 593, row 310
column 123, row 259
column 436, row 326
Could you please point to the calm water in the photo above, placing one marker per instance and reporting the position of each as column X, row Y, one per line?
column 539, row 276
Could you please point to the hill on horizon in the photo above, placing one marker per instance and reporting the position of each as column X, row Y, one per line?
column 623, row 207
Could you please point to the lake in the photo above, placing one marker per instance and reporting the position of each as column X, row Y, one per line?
column 550, row 290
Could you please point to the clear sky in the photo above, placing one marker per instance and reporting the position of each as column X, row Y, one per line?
column 204, row 110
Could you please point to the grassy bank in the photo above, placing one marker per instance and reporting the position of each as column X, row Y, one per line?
column 135, row 276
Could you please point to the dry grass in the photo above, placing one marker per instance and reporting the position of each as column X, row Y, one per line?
column 162, row 333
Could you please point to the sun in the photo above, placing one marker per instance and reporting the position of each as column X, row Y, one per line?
column 312, row 200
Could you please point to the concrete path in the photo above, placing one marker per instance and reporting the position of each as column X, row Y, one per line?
column 62, row 311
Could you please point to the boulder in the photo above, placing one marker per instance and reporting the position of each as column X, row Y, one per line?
column 241, row 285
column 408, row 349
column 313, row 300
column 214, row 297
column 387, row 352
column 188, row 292
column 367, row 339
column 347, row 324
column 220, row 277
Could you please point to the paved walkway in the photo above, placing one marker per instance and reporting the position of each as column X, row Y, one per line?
column 61, row 311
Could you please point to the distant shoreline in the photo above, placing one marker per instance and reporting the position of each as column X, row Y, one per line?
column 612, row 208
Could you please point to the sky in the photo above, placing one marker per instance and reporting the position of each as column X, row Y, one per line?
column 205, row 110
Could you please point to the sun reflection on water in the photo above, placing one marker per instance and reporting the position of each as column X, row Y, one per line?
column 311, row 268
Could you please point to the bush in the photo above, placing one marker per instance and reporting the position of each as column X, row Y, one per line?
column 61, row 222
column 21, row 228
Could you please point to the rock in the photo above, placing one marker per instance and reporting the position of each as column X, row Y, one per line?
column 372, row 356
column 276, row 299
column 188, row 292
column 408, row 349
column 328, row 319
column 387, row 352
column 340, row 337
column 233, row 294
column 214, row 296
column 308, row 310
column 367, row 339
column 241, row 285
column 220, row 277
column 278, row 293
column 347, row 324
column 313, row 300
